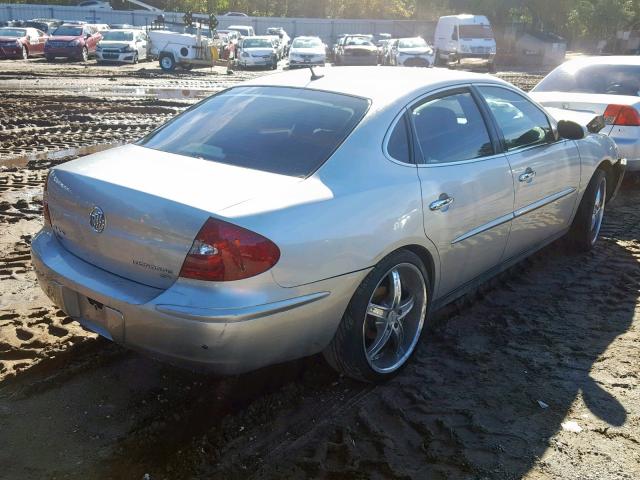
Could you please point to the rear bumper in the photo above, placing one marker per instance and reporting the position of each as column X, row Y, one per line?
column 225, row 328
column 627, row 140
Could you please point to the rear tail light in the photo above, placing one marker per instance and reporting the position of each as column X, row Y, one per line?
column 623, row 115
column 222, row 252
column 45, row 201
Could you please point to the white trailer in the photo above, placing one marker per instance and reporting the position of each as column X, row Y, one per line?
column 182, row 50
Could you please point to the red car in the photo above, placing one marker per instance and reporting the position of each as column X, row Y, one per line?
column 72, row 41
column 21, row 42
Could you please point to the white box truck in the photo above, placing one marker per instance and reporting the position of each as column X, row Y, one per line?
column 464, row 38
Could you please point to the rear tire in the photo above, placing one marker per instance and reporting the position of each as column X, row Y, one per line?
column 167, row 62
column 375, row 348
column 586, row 225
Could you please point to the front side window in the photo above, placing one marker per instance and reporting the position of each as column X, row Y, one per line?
column 450, row 129
column 522, row 123
column 289, row 131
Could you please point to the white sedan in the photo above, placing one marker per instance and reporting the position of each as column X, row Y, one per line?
column 307, row 51
column 122, row 46
column 608, row 86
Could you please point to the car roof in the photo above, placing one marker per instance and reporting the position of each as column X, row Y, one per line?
column 603, row 60
column 380, row 85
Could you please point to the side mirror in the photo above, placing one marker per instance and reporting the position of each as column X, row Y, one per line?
column 570, row 130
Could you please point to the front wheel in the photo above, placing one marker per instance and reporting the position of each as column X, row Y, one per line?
column 383, row 322
column 84, row 56
column 25, row 53
column 588, row 221
column 135, row 58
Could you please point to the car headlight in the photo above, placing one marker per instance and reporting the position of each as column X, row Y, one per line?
column 74, row 43
column 98, row 47
column 246, row 54
column 465, row 49
column 127, row 49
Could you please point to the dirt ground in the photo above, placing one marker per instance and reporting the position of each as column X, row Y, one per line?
column 535, row 376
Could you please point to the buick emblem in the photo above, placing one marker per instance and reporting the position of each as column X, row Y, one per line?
column 97, row 220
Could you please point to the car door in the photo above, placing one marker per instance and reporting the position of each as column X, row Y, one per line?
column 467, row 188
column 546, row 171
column 41, row 39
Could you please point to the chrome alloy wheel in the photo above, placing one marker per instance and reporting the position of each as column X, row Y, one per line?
column 598, row 209
column 394, row 318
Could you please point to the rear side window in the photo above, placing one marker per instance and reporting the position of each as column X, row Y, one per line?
column 522, row 123
column 450, row 129
column 398, row 144
column 289, row 131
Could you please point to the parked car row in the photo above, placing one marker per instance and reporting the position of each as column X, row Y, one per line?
column 74, row 40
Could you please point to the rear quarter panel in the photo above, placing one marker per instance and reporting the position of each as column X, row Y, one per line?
column 357, row 208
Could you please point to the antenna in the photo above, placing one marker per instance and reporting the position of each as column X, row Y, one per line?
column 314, row 75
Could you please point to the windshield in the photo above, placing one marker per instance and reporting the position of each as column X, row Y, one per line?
column 412, row 43
column 288, row 131
column 12, row 32
column 350, row 41
column 475, row 31
column 112, row 36
column 608, row 79
column 306, row 43
column 257, row 43
column 68, row 31
column 243, row 31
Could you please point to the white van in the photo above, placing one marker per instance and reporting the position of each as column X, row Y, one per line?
column 243, row 30
column 464, row 37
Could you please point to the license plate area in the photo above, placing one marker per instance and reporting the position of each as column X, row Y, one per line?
column 94, row 315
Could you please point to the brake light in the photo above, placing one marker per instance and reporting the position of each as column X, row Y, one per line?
column 45, row 201
column 222, row 252
column 623, row 115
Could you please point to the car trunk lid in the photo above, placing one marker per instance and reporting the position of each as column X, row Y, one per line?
column 135, row 211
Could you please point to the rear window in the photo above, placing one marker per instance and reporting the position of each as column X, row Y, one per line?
column 475, row 31
column 289, row 131
column 608, row 79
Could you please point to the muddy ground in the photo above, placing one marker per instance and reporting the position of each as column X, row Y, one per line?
column 553, row 341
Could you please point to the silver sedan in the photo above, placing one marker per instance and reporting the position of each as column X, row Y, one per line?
column 301, row 213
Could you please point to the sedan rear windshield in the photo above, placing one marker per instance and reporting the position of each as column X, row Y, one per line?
column 608, row 79
column 117, row 36
column 12, row 32
column 475, row 31
column 289, row 131
column 66, row 31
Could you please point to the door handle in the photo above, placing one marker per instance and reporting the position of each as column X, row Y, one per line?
column 527, row 176
column 442, row 203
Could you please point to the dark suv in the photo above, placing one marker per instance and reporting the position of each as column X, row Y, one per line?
column 72, row 41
